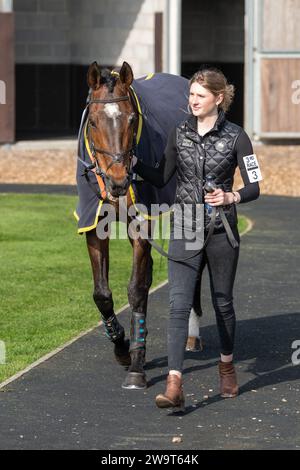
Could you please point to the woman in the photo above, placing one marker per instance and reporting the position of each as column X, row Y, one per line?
column 205, row 146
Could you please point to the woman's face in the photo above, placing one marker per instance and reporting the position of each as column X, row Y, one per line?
column 202, row 102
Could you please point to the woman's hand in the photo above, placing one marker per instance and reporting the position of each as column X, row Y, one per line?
column 219, row 198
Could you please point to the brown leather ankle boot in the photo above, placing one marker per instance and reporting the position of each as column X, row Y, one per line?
column 228, row 381
column 173, row 396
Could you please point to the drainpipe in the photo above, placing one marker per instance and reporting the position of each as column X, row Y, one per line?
column 6, row 6
column 174, row 36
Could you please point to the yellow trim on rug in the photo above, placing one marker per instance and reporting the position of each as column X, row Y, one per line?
column 86, row 141
column 140, row 125
column 91, row 227
column 146, row 216
column 149, row 76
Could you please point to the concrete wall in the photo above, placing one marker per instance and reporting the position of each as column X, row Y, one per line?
column 110, row 31
column 79, row 32
column 118, row 31
column 42, row 31
column 213, row 31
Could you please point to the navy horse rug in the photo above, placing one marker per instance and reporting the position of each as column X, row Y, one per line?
column 162, row 104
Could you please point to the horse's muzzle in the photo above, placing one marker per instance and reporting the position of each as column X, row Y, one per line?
column 117, row 189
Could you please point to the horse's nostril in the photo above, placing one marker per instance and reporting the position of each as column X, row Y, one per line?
column 120, row 185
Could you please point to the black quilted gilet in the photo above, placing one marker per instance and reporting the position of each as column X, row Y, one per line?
column 213, row 154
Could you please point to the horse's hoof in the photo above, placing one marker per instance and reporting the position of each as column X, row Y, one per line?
column 194, row 344
column 135, row 381
column 122, row 355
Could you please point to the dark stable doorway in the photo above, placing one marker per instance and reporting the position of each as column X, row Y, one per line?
column 213, row 34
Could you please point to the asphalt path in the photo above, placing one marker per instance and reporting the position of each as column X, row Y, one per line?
column 75, row 401
column 38, row 188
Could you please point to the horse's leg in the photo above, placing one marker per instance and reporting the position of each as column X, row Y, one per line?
column 138, row 289
column 197, row 299
column 194, row 341
column 99, row 256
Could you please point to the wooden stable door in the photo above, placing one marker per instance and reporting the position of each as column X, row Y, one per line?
column 272, row 69
column 280, row 113
column 7, row 82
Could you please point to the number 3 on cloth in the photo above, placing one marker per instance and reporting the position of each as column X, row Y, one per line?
column 252, row 168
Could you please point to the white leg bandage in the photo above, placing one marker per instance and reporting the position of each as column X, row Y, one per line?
column 194, row 324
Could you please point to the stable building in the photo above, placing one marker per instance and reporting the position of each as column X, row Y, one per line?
column 47, row 45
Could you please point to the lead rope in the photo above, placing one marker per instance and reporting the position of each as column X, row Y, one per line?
column 162, row 251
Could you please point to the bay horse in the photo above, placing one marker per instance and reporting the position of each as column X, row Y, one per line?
column 110, row 133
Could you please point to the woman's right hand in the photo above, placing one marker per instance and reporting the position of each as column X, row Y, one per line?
column 218, row 198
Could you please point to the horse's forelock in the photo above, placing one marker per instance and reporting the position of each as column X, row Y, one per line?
column 108, row 79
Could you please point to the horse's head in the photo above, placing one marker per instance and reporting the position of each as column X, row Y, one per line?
column 112, row 124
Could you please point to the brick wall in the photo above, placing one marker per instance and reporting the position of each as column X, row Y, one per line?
column 42, row 31
column 79, row 31
column 213, row 31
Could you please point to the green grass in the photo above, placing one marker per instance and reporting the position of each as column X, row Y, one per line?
column 45, row 277
column 243, row 224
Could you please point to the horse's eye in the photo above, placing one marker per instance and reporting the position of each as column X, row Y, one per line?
column 92, row 123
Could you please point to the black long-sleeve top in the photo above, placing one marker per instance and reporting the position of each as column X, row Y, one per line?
column 160, row 176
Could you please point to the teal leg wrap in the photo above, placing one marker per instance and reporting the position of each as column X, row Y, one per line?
column 113, row 330
column 138, row 331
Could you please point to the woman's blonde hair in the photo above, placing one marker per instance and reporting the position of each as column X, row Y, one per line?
column 215, row 81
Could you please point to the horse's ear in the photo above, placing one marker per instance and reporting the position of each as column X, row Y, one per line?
column 126, row 74
column 93, row 76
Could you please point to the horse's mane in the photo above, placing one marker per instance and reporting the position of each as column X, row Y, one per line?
column 106, row 78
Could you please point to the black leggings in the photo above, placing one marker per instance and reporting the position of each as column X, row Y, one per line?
column 221, row 260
